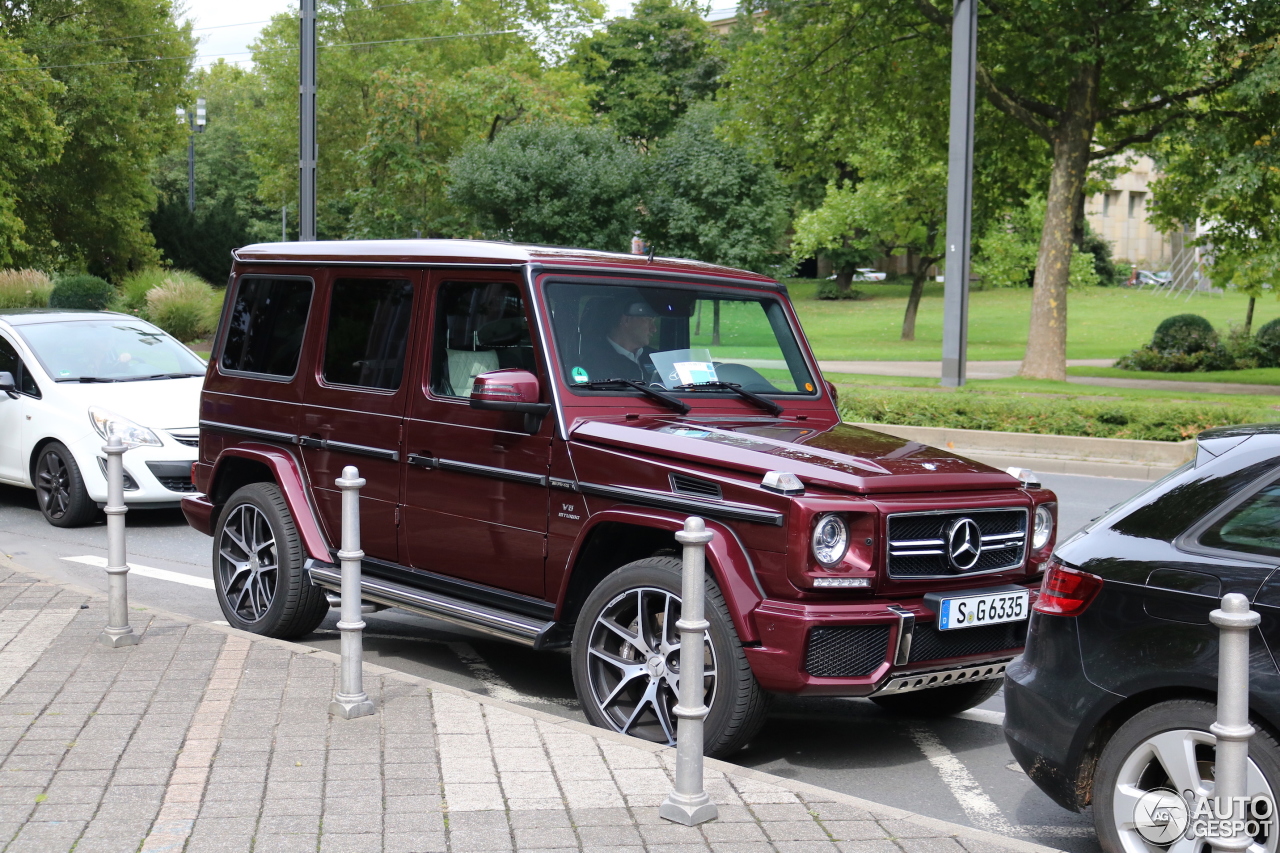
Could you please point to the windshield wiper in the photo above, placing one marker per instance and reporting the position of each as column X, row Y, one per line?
column 766, row 404
column 171, row 376
column 670, row 402
column 86, row 379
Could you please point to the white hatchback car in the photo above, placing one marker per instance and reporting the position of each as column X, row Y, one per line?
column 69, row 380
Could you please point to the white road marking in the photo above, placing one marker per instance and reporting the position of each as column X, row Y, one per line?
column 982, row 715
column 147, row 572
column 980, row 808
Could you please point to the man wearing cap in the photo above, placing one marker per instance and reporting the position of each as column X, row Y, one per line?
column 623, row 352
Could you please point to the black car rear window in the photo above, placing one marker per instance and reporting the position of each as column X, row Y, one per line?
column 266, row 325
column 1253, row 527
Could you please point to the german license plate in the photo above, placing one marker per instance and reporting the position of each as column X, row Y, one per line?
column 990, row 609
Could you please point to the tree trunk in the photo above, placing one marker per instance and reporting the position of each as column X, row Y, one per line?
column 1046, row 356
column 913, row 302
column 844, row 280
column 1248, row 317
column 697, row 328
column 715, row 324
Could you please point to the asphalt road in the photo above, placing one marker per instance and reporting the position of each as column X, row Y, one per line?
column 957, row 769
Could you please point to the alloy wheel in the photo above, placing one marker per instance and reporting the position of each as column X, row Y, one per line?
column 1182, row 761
column 248, row 562
column 53, row 485
column 634, row 663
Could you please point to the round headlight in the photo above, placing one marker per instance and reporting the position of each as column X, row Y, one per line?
column 1044, row 527
column 830, row 539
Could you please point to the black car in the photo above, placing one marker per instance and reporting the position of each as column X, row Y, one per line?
column 1117, row 688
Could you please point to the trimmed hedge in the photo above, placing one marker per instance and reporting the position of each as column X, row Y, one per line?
column 86, row 292
column 1120, row 418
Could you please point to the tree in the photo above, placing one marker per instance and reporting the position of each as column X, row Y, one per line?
column 377, row 56
column 1088, row 79
column 30, row 139
column 1223, row 170
column 708, row 199
column 229, row 212
column 122, row 67
column 555, row 183
column 646, row 70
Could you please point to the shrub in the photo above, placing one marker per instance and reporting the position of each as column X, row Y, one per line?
column 134, row 289
column 830, row 290
column 1267, row 342
column 24, row 289
column 1158, row 420
column 87, row 292
column 1184, row 333
column 186, row 308
column 1216, row 357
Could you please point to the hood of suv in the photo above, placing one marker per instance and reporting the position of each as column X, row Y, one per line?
column 843, row 457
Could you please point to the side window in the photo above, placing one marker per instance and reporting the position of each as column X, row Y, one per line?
column 11, row 363
column 1253, row 527
column 265, row 327
column 368, row 330
column 480, row 326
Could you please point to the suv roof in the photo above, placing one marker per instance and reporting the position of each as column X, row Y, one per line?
column 478, row 252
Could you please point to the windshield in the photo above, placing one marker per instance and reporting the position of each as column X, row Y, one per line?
column 676, row 339
column 109, row 351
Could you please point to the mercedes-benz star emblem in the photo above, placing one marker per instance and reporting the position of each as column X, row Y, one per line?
column 964, row 544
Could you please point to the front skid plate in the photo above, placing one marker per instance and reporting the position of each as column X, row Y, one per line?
column 943, row 678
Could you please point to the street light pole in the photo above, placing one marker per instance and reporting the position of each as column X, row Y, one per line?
column 307, row 123
column 195, row 124
column 955, row 305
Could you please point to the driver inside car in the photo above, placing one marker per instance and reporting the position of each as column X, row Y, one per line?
column 622, row 352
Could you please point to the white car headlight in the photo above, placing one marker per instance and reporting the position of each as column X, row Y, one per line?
column 108, row 424
column 1044, row 527
column 830, row 539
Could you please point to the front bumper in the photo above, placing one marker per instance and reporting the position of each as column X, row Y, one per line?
column 873, row 647
column 161, row 476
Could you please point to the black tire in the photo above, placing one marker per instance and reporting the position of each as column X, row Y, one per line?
column 272, row 595
column 738, row 704
column 60, row 491
column 940, row 701
column 1127, row 760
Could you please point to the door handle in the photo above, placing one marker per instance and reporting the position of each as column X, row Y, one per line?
column 420, row 460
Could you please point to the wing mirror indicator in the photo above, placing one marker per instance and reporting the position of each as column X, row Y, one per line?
column 1067, row 592
column 511, row 390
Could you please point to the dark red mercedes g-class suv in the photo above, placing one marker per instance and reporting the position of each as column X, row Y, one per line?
column 536, row 423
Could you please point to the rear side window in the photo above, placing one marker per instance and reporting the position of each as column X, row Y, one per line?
column 1252, row 528
column 266, row 325
column 368, row 331
column 480, row 326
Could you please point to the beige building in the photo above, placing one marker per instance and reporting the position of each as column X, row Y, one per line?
column 1119, row 216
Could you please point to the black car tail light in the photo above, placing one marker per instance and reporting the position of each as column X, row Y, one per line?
column 1067, row 592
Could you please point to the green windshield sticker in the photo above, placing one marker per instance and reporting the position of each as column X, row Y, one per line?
column 579, row 374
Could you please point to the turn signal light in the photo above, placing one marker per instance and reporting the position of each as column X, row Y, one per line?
column 1067, row 592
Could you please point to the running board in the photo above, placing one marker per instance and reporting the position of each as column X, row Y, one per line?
column 525, row 630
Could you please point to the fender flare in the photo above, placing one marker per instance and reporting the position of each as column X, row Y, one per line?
column 287, row 473
column 730, row 564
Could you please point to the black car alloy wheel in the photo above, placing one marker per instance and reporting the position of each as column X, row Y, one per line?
column 53, row 484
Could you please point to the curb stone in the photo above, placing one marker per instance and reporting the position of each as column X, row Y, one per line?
column 984, row 839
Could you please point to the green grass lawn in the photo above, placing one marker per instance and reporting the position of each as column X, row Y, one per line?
column 1255, row 376
column 1102, row 322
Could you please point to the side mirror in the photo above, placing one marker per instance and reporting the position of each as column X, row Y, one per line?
column 511, row 390
column 831, row 389
column 7, row 385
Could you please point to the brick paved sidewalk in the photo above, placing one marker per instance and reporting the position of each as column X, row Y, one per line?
column 202, row 738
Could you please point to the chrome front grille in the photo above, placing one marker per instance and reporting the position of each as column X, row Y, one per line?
column 187, row 437
column 918, row 542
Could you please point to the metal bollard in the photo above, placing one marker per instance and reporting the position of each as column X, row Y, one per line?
column 1232, row 728
column 118, row 631
column 351, row 700
column 689, row 803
